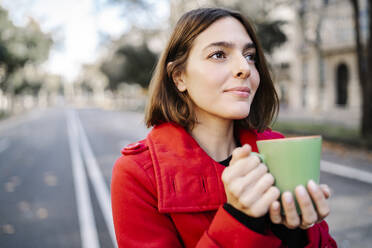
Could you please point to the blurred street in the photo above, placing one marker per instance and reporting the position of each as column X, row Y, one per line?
column 55, row 169
column 99, row 56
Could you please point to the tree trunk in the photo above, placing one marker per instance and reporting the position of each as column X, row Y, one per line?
column 366, row 127
column 318, row 48
column 365, row 76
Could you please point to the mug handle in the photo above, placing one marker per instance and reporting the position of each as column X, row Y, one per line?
column 260, row 156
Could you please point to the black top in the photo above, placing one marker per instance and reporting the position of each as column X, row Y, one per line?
column 290, row 237
column 226, row 161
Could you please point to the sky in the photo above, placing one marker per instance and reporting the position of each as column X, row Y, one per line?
column 76, row 25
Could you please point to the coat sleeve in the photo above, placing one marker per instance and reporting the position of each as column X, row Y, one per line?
column 226, row 231
column 138, row 223
column 318, row 236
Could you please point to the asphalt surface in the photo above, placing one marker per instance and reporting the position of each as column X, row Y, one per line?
column 55, row 171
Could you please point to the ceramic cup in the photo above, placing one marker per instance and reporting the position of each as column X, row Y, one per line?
column 292, row 161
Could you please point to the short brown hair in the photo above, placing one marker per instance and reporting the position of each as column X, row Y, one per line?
column 167, row 104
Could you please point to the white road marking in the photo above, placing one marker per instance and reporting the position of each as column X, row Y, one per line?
column 346, row 171
column 88, row 230
column 98, row 181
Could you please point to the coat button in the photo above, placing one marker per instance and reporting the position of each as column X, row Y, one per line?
column 134, row 148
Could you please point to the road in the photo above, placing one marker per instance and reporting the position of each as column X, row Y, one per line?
column 55, row 171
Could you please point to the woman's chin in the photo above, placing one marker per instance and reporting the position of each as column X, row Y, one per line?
column 238, row 115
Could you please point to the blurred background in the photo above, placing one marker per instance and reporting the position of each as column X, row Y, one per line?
column 73, row 88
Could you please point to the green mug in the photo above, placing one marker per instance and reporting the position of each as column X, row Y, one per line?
column 292, row 161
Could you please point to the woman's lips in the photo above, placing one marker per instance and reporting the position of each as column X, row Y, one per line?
column 239, row 91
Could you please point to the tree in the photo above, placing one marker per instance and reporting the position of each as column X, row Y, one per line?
column 269, row 31
column 139, row 13
column 271, row 35
column 135, row 64
column 130, row 64
column 20, row 46
column 364, row 68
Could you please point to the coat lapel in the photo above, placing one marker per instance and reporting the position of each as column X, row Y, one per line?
column 187, row 179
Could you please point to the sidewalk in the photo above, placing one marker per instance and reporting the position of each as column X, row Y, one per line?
column 339, row 117
column 339, row 143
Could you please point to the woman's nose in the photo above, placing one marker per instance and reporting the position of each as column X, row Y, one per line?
column 241, row 68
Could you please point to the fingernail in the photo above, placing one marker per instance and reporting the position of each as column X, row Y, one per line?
column 287, row 197
column 301, row 190
column 328, row 190
column 276, row 205
column 312, row 185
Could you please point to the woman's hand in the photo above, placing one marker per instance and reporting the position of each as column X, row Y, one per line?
column 248, row 185
column 310, row 215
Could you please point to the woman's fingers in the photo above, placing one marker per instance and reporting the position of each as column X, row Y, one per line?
column 248, row 186
column 240, row 184
column 309, row 215
column 275, row 214
column 240, row 152
column 240, row 165
column 240, row 168
column 305, row 198
column 262, row 205
column 250, row 196
column 292, row 220
column 326, row 190
column 319, row 199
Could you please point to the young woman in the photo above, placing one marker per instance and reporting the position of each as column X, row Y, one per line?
column 193, row 181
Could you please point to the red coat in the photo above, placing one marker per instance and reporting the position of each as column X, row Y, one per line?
column 167, row 192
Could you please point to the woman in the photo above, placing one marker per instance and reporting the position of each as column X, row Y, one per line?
column 193, row 181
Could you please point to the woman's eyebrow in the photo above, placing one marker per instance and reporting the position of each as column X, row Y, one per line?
column 249, row 45
column 229, row 45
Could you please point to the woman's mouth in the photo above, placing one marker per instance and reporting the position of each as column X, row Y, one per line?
column 239, row 91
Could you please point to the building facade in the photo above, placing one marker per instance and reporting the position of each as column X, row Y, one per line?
column 319, row 60
column 316, row 69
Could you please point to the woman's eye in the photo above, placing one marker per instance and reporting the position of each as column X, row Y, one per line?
column 250, row 57
column 218, row 55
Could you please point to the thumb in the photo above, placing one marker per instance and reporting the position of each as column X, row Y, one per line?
column 240, row 152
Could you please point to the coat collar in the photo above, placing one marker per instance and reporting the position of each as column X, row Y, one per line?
column 187, row 179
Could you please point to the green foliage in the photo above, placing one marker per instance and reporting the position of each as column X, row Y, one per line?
column 139, row 13
column 269, row 32
column 8, row 31
column 26, row 87
column 25, row 80
column 271, row 35
column 131, row 64
column 20, row 46
column 86, row 87
column 3, row 114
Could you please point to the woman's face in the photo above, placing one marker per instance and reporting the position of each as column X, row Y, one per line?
column 220, row 75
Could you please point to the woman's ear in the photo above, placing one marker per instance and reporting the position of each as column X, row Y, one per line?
column 179, row 81
column 177, row 77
